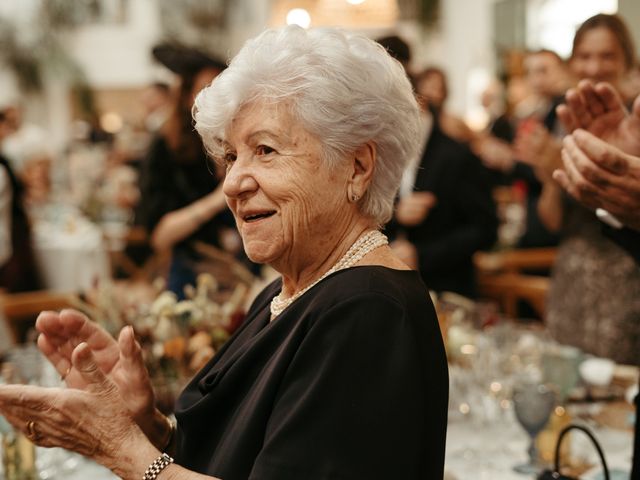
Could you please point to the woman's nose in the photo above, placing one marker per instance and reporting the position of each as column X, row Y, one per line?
column 594, row 68
column 239, row 179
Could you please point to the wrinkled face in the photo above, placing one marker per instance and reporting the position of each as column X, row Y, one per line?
column 287, row 204
column 544, row 74
column 599, row 57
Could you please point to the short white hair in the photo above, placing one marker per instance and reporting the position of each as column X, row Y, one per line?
column 344, row 88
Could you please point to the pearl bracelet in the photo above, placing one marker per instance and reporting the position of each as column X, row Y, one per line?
column 157, row 466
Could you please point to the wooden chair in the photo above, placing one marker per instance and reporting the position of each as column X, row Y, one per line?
column 21, row 309
column 502, row 276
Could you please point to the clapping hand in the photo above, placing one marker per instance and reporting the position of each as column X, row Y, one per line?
column 600, row 175
column 538, row 148
column 602, row 156
column 121, row 362
column 599, row 110
column 93, row 421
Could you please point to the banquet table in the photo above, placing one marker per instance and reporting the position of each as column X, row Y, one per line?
column 479, row 452
column 474, row 451
column 483, row 451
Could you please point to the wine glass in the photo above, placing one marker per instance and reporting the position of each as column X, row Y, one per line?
column 533, row 403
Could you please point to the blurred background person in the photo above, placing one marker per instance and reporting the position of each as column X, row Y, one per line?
column 399, row 49
column 606, row 175
column 157, row 104
column 181, row 199
column 17, row 266
column 445, row 212
column 27, row 149
column 594, row 299
column 432, row 89
column 23, row 139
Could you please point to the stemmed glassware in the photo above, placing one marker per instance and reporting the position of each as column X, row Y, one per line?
column 533, row 403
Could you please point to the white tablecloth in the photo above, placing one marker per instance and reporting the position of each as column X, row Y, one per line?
column 70, row 255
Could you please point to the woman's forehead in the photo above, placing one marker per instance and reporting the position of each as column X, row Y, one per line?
column 261, row 118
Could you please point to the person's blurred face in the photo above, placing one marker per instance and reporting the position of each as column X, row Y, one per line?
column 544, row 74
column 153, row 98
column 13, row 118
column 432, row 89
column 4, row 126
column 202, row 79
column 599, row 57
column 287, row 204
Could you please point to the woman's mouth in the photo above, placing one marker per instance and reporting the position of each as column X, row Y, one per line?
column 254, row 217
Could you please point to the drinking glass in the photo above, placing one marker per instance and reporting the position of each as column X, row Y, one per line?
column 533, row 403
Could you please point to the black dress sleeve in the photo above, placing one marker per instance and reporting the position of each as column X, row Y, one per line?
column 343, row 410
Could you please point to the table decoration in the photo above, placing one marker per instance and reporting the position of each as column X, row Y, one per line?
column 178, row 337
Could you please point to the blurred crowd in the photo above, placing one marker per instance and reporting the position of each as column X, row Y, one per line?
column 155, row 175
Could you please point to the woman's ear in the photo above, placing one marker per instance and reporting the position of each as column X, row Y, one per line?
column 363, row 163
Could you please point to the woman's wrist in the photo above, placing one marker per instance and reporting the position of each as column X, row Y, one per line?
column 159, row 429
column 135, row 460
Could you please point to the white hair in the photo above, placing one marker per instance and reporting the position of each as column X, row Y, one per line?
column 345, row 90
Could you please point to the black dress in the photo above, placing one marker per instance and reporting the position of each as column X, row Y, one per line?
column 19, row 273
column 349, row 382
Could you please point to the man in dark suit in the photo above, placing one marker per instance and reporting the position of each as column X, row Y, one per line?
column 602, row 170
column 445, row 213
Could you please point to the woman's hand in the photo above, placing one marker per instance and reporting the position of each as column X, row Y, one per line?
column 94, row 421
column 599, row 110
column 121, row 362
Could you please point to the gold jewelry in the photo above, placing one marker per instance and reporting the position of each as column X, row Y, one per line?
column 365, row 244
column 157, row 466
column 32, row 433
column 355, row 198
column 172, row 430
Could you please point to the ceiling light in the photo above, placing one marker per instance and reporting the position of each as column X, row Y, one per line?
column 299, row 16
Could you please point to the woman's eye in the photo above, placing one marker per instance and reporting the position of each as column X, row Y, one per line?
column 264, row 150
column 229, row 157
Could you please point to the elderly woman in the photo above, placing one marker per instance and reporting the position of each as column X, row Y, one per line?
column 339, row 370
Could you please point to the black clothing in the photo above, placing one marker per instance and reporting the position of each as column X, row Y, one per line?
column 349, row 382
column 169, row 183
column 19, row 272
column 535, row 233
column 463, row 220
column 502, row 128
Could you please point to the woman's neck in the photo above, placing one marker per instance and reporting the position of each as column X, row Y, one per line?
column 321, row 261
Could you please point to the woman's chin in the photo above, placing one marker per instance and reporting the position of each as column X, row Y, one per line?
column 259, row 253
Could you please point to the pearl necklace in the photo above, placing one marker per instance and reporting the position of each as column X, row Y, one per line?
column 365, row 244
